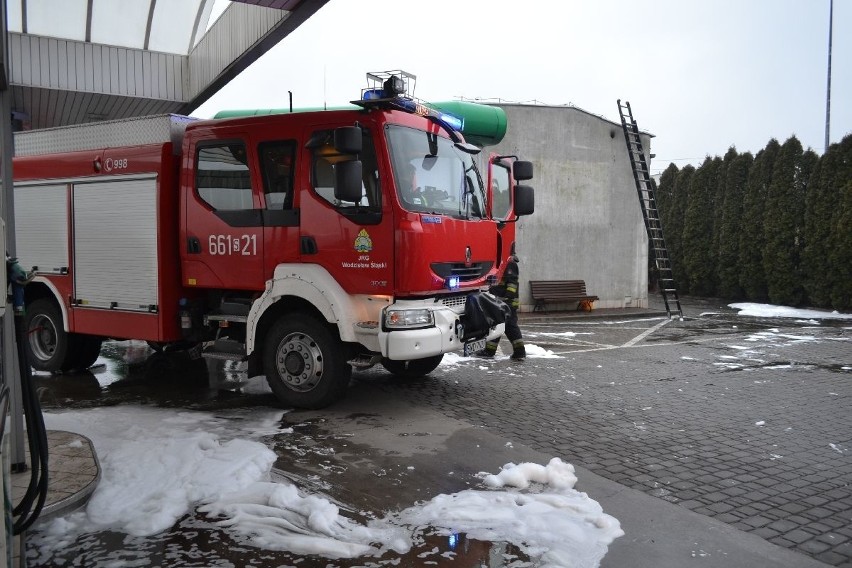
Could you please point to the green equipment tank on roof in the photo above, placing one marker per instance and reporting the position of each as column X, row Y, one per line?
column 483, row 125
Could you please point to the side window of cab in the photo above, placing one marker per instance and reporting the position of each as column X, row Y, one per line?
column 324, row 158
column 277, row 166
column 222, row 177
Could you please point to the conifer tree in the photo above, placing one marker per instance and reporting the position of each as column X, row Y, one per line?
column 819, row 209
column 752, row 277
column 783, row 219
column 665, row 191
column 730, row 227
column 663, row 194
column 718, row 209
column 840, row 236
column 697, row 240
column 840, row 256
column 675, row 224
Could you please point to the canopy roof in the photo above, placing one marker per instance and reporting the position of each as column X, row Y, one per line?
column 169, row 26
column 77, row 61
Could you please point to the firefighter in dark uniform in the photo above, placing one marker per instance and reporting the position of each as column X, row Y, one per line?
column 17, row 278
column 507, row 289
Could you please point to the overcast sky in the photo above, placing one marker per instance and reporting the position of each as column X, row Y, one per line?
column 700, row 76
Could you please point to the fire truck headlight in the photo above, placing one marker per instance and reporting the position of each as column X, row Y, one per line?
column 409, row 319
column 452, row 283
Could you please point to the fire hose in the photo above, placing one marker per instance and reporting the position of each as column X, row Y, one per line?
column 32, row 503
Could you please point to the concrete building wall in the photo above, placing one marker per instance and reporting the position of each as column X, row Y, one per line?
column 588, row 222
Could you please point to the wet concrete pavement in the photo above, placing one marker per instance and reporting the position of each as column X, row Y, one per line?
column 718, row 440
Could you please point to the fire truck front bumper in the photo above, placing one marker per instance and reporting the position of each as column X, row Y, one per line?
column 418, row 331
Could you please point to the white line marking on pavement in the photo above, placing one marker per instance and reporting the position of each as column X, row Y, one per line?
column 645, row 334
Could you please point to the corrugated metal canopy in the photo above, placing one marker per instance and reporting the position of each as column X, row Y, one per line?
column 170, row 26
column 76, row 61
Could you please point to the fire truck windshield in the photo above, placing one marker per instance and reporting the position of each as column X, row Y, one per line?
column 433, row 176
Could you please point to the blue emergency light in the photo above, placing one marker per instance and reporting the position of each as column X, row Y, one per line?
column 373, row 94
column 452, row 283
column 453, row 122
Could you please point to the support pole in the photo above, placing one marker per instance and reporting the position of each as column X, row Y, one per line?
column 7, row 214
column 828, row 87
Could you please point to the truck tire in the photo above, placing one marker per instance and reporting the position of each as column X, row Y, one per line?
column 414, row 368
column 305, row 363
column 84, row 350
column 48, row 344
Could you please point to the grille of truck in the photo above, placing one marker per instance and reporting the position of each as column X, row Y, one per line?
column 454, row 301
column 475, row 271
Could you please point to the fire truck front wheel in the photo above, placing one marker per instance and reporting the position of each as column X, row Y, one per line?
column 413, row 369
column 305, row 363
column 47, row 343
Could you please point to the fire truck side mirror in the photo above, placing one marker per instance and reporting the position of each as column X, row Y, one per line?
column 524, row 200
column 348, row 139
column 347, row 181
column 522, row 170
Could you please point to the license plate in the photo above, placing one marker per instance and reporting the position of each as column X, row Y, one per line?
column 472, row 347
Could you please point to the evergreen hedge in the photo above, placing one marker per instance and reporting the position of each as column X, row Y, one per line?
column 776, row 227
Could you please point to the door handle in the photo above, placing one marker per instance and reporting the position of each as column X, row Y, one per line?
column 193, row 245
column 308, row 245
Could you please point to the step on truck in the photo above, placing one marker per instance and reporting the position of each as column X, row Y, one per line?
column 305, row 244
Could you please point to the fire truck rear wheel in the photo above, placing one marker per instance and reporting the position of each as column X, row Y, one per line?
column 47, row 343
column 414, row 368
column 305, row 362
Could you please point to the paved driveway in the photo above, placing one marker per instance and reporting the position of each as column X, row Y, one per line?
column 720, row 440
column 745, row 420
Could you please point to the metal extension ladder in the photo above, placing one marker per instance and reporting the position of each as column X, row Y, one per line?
column 648, row 202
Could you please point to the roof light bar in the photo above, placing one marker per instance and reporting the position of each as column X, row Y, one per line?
column 395, row 89
column 390, row 84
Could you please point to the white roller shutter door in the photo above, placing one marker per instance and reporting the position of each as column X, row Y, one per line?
column 115, row 244
column 41, row 227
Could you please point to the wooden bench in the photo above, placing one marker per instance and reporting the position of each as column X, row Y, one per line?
column 551, row 291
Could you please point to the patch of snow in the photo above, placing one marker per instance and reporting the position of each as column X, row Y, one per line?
column 536, row 352
column 541, row 513
column 770, row 311
column 561, row 334
column 159, row 465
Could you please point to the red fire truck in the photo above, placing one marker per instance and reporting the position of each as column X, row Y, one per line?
column 306, row 244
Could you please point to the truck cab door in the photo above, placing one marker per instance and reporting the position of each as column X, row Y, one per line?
column 352, row 240
column 278, row 167
column 223, row 237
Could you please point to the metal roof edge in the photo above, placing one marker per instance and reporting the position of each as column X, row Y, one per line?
column 567, row 106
